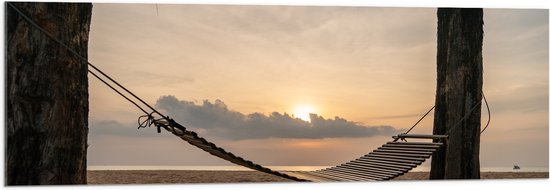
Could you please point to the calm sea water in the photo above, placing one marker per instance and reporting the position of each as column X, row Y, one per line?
column 210, row 168
column 290, row 168
column 495, row 169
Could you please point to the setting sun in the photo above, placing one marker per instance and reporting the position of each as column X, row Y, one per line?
column 302, row 112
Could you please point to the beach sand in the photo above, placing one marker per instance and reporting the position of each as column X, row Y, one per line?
column 183, row 176
column 484, row 175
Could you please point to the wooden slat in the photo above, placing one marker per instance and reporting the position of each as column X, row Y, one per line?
column 365, row 173
column 415, row 162
column 222, row 155
column 419, row 136
column 422, row 146
column 374, row 154
column 417, row 143
column 401, row 154
column 200, row 145
column 370, row 168
column 214, row 150
column 407, row 149
column 389, row 175
column 186, row 133
column 361, row 174
column 327, row 176
column 411, row 146
column 405, row 165
column 355, row 178
column 405, row 152
column 234, row 161
column 340, row 176
column 335, row 178
column 310, row 176
column 360, row 177
column 376, row 165
column 379, row 165
column 322, row 176
column 190, row 139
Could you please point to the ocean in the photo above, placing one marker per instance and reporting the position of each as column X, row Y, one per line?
column 290, row 168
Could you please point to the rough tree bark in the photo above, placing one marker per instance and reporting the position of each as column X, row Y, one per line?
column 459, row 84
column 47, row 94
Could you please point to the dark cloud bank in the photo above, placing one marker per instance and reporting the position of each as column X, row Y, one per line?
column 216, row 119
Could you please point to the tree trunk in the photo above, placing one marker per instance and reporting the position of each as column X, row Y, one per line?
column 47, row 94
column 459, row 85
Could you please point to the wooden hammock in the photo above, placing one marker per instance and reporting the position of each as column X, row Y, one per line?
column 391, row 160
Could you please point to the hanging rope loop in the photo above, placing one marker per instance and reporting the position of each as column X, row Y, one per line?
column 163, row 122
column 145, row 123
column 484, row 99
column 488, row 113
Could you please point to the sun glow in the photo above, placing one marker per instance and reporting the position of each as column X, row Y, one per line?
column 302, row 112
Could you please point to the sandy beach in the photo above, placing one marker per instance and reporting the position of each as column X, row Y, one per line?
column 184, row 176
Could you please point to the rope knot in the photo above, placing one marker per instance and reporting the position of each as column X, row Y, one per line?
column 150, row 120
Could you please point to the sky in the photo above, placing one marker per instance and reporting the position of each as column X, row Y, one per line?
column 246, row 77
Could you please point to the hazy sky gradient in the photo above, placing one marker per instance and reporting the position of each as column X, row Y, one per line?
column 368, row 66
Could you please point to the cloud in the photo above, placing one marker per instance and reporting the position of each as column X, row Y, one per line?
column 216, row 119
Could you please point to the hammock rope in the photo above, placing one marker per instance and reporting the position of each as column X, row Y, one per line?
column 461, row 119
